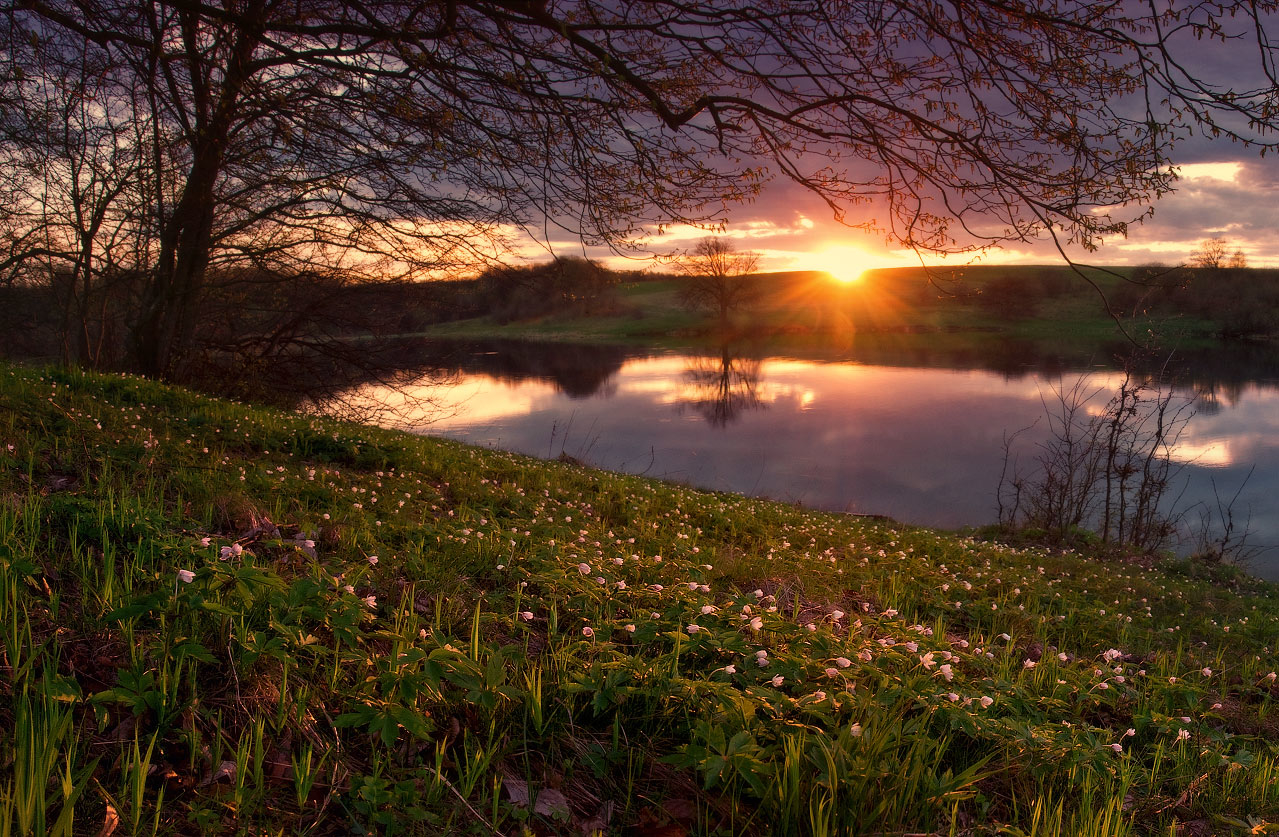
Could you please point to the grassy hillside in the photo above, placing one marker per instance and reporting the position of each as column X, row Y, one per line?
column 220, row 619
column 1049, row 305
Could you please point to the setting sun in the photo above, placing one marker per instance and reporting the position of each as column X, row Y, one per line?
column 846, row 262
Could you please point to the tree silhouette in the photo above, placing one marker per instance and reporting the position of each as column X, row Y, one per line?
column 721, row 387
column 717, row 277
column 1212, row 254
column 158, row 145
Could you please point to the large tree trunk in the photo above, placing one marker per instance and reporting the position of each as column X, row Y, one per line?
column 163, row 332
column 165, row 328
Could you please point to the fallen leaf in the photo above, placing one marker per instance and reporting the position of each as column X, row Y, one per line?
column 550, row 802
column 225, row 771
column 110, row 822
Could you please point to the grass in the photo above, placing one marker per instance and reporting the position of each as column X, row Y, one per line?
column 221, row 619
column 1048, row 307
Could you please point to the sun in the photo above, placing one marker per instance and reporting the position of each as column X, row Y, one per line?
column 846, row 262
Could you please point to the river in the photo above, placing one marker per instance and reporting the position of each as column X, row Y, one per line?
column 923, row 444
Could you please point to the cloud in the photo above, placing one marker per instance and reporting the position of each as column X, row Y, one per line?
column 1235, row 199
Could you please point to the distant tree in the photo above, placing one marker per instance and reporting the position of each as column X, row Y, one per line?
column 566, row 285
column 718, row 277
column 1212, row 254
column 170, row 142
column 1237, row 260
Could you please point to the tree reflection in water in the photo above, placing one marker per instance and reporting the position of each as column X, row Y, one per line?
column 721, row 387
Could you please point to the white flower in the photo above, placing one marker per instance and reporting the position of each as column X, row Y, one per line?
column 1207, row 672
column 926, row 660
column 630, row 629
column 730, row 669
column 370, row 601
column 1129, row 732
column 693, row 628
column 1028, row 664
column 588, row 632
column 855, row 730
column 706, row 609
column 832, row 672
column 584, row 569
column 952, row 697
column 1118, row 748
column 843, row 662
column 1183, row 735
column 186, row 576
column 372, row 559
column 526, row 615
column 947, row 672
column 757, row 623
column 837, row 615
column 819, row 695
column 777, row 680
column 205, row 541
column 986, row 701
column 1005, row 637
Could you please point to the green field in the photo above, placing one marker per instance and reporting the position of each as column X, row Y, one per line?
column 1054, row 308
column 222, row 619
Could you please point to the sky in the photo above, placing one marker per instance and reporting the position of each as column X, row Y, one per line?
column 1224, row 190
column 1231, row 195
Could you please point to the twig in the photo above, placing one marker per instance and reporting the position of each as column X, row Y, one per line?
column 464, row 801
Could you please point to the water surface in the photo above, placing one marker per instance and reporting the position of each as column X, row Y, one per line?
column 923, row 445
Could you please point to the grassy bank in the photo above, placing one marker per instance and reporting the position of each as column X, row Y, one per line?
column 219, row 619
column 1049, row 307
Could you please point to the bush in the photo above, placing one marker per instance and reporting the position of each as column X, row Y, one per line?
column 565, row 286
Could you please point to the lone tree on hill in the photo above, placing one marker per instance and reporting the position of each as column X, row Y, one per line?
column 1212, row 253
column 148, row 148
column 717, row 277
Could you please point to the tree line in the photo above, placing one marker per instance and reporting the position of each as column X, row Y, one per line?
column 167, row 165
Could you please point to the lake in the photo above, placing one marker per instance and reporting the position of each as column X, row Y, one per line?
column 920, row 440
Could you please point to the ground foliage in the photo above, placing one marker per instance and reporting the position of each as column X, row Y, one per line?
column 222, row 619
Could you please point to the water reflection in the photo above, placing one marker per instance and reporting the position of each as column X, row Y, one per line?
column 721, row 387
column 923, row 445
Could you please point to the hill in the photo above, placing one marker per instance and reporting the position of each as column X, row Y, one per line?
column 222, row 619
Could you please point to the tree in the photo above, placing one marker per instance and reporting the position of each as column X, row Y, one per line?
column 1212, row 254
column 721, row 388
column 717, row 277
column 168, row 143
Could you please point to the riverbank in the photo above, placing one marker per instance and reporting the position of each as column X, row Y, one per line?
column 216, row 618
column 1049, row 308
